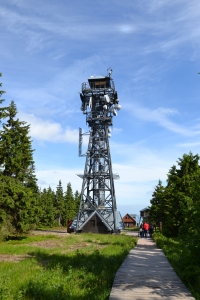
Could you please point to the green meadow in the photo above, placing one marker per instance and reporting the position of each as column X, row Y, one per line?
column 68, row 266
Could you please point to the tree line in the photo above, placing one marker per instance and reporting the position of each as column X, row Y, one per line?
column 57, row 208
column 23, row 206
column 177, row 205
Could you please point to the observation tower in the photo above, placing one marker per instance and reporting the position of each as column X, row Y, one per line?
column 98, row 209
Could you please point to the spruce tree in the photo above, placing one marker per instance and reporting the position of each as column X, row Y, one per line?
column 16, row 155
column 59, row 203
column 2, row 109
column 156, row 209
column 18, row 188
column 17, row 205
column 47, row 212
column 77, row 198
column 70, row 204
column 176, row 204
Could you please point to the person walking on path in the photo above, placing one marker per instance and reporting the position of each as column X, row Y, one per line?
column 151, row 230
column 146, row 228
column 141, row 231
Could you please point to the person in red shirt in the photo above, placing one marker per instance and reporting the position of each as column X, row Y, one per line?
column 146, row 228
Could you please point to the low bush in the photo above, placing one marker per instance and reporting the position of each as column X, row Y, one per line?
column 181, row 254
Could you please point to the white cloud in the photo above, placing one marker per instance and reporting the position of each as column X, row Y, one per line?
column 189, row 145
column 44, row 130
column 174, row 30
column 126, row 28
column 138, row 173
column 51, row 177
column 39, row 28
column 160, row 116
column 116, row 130
column 59, row 95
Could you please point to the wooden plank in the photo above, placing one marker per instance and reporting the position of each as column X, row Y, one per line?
column 147, row 274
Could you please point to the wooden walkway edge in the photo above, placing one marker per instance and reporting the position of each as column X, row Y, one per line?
column 147, row 274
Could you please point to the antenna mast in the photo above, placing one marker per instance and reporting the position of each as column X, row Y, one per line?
column 98, row 209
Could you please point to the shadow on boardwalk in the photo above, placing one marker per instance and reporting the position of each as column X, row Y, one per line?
column 147, row 274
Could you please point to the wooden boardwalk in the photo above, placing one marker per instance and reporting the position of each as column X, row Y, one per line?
column 146, row 274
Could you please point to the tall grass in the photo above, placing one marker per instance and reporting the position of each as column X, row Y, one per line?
column 181, row 256
column 74, row 267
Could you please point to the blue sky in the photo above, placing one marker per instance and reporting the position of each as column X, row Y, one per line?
column 48, row 48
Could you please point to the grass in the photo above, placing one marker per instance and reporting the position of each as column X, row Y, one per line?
column 183, row 260
column 132, row 229
column 53, row 267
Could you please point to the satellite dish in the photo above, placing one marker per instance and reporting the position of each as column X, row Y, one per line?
column 118, row 107
column 107, row 98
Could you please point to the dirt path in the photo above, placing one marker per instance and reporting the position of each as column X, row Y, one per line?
column 58, row 232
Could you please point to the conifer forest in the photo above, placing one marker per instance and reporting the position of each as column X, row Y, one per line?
column 175, row 210
column 23, row 206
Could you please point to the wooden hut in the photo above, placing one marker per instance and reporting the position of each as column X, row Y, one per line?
column 129, row 220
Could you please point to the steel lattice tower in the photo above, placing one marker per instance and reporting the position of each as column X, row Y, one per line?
column 98, row 209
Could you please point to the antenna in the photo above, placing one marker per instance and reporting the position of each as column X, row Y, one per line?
column 109, row 70
column 80, row 142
